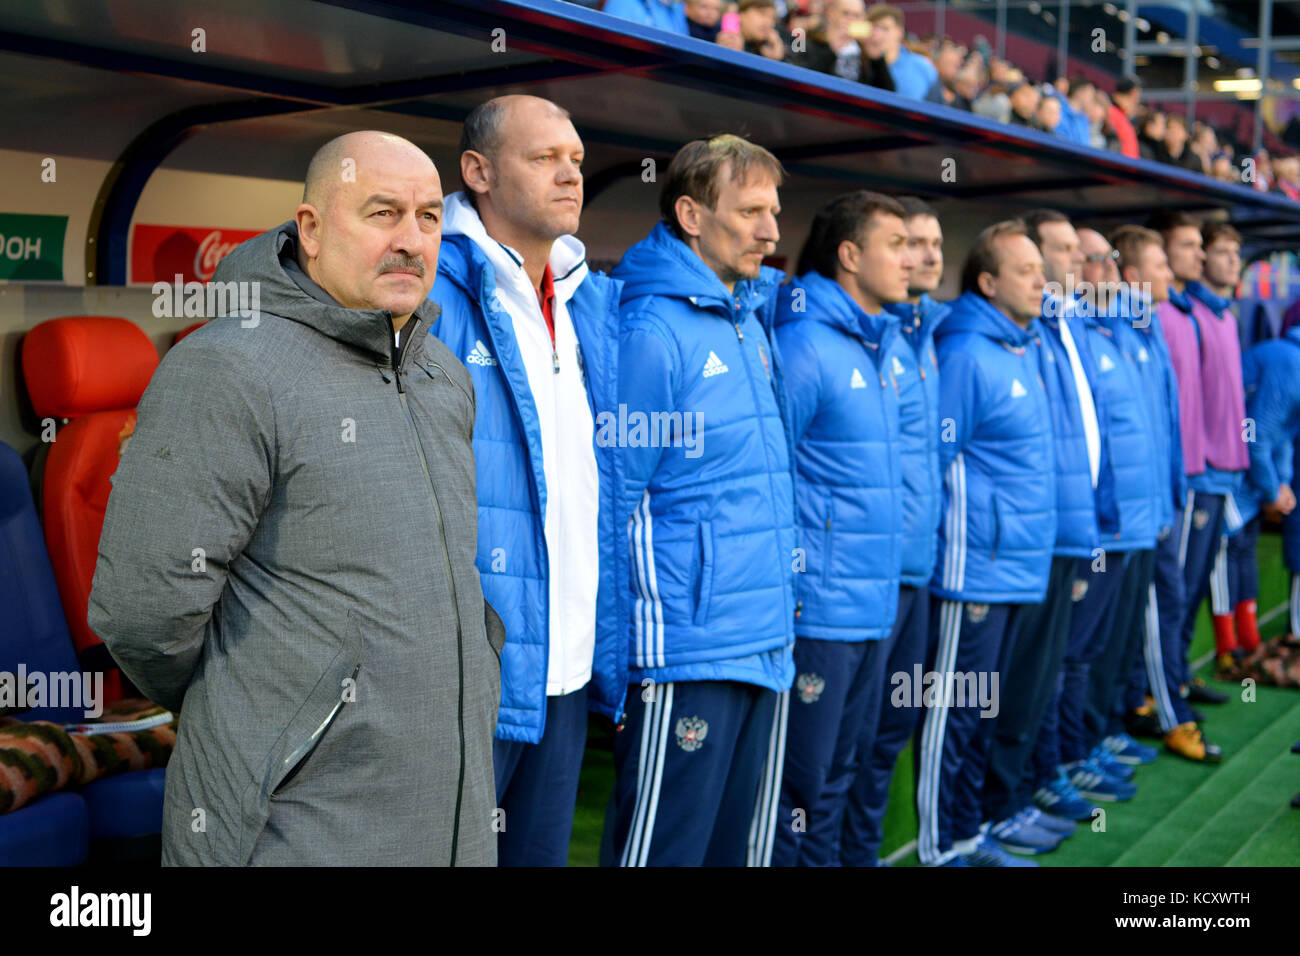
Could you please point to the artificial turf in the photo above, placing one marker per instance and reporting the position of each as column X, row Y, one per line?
column 1237, row 813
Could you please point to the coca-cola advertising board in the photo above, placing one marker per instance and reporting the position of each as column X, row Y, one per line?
column 161, row 253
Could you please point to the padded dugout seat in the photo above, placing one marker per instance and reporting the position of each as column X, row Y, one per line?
column 92, row 371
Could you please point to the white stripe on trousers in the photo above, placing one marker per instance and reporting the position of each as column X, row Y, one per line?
column 649, row 775
column 1187, row 528
column 932, row 736
column 1156, row 663
column 1295, row 604
column 762, row 831
column 1220, row 599
column 954, row 558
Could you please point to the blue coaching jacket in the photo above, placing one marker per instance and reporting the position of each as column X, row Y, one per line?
column 712, row 533
column 512, row 553
column 918, row 396
column 997, row 456
column 843, row 402
column 1134, row 465
column 1081, row 510
column 1271, row 375
column 1160, row 387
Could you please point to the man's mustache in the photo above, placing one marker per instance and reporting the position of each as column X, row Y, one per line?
column 403, row 264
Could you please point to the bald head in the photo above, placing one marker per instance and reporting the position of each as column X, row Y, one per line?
column 1098, row 265
column 370, row 223
column 485, row 126
column 336, row 162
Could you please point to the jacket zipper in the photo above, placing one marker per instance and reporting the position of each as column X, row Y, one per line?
column 451, row 581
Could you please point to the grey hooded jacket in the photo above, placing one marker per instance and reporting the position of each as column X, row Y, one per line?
column 289, row 550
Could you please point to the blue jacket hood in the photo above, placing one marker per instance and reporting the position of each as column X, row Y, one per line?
column 973, row 313
column 924, row 315
column 836, row 308
column 1217, row 303
column 1181, row 300
column 661, row 264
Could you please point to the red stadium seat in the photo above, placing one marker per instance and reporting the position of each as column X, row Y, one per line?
column 91, row 370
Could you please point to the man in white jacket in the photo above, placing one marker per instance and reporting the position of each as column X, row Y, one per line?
column 538, row 333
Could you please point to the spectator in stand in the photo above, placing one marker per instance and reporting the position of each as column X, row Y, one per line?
column 758, row 32
column 1075, row 106
column 704, row 19
column 993, row 103
column 835, row 46
column 913, row 74
column 1151, row 137
column 1098, row 112
column 667, row 15
column 1204, row 144
column 1263, row 171
column 970, row 80
column 1288, row 176
column 1048, row 115
column 1178, row 150
column 1024, row 104
column 1124, row 106
column 1221, row 168
column 803, row 15
column 948, row 62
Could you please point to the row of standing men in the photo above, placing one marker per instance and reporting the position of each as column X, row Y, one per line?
column 806, row 520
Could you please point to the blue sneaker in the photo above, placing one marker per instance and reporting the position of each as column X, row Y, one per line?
column 1129, row 751
column 1019, row 835
column 1060, row 799
column 987, row 852
column 1109, row 765
column 1095, row 784
column 1051, row 822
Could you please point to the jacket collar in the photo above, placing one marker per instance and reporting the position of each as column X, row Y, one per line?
column 831, row 305
column 262, row 260
column 1216, row 303
column 1180, row 300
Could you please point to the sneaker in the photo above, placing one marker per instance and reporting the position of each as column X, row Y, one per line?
column 1129, row 751
column 1186, row 740
column 1227, row 666
column 1093, row 782
column 1019, row 835
column 1143, row 722
column 1109, row 765
column 1203, row 693
column 987, row 852
column 1060, row 799
column 1051, row 822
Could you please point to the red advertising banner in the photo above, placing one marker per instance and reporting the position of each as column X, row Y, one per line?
column 160, row 253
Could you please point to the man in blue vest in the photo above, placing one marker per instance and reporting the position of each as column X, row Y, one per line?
column 836, row 339
column 916, row 371
column 705, row 454
column 996, row 538
column 537, row 331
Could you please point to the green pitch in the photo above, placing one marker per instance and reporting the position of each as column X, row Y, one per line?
column 1185, row 814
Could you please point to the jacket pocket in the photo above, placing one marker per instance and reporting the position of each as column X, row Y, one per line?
column 706, row 572
column 292, row 750
column 496, row 630
column 997, row 526
column 826, row 541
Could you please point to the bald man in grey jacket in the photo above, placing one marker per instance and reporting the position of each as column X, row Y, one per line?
column 288, row 552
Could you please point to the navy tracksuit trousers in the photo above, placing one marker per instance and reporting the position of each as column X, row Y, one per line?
column 698, row 769
column 971, row 645
column 1029, row 691
column 904, row 650
column 537, row 786
column 833, row 711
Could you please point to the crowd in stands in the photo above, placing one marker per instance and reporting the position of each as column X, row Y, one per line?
column 869, row 44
